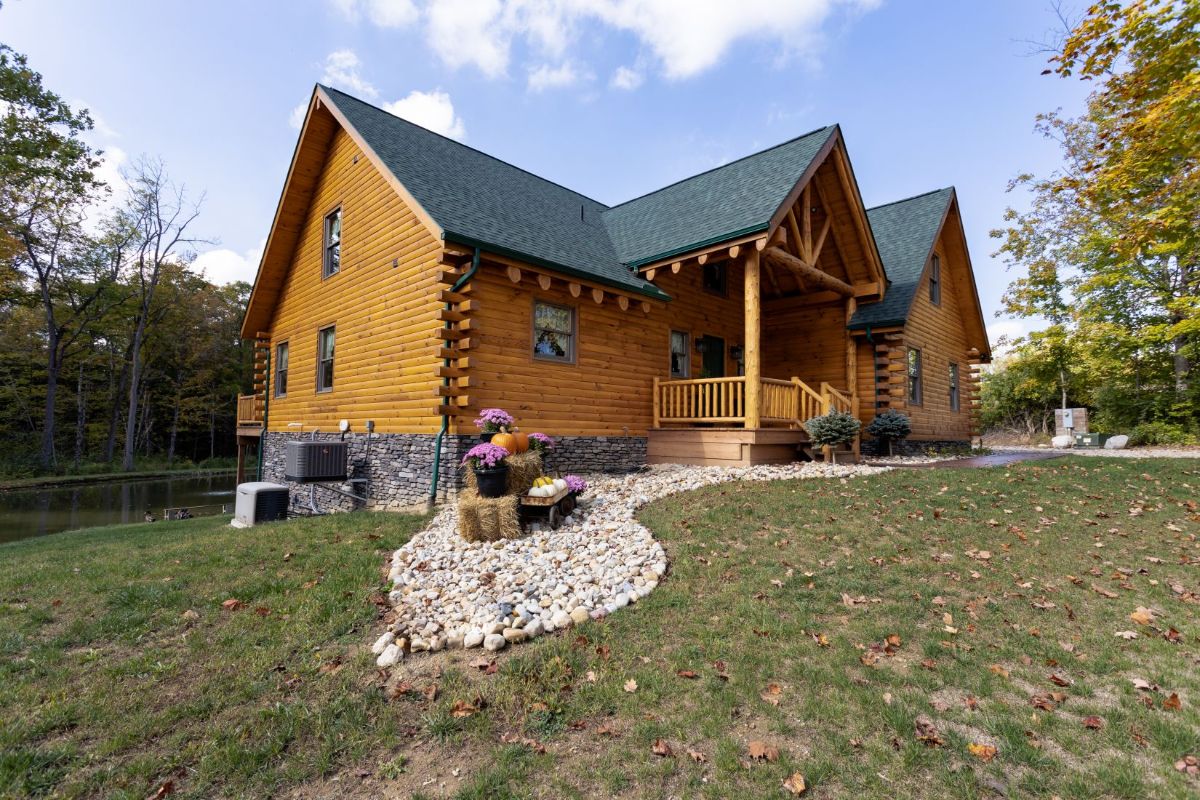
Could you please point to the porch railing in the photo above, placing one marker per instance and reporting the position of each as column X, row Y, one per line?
column 249, row 410
column 723, row 401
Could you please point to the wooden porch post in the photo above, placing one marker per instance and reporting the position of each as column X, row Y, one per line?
column 753, row 322
column 852, row 370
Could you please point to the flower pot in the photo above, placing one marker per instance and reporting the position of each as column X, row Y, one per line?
column 486, row 437
column 492, row 482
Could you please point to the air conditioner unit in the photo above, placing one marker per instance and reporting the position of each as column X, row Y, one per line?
column 258, row 502
column 309, row 461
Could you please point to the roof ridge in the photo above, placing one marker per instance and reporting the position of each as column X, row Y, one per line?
column 605, row 206
column 914, row 197
column 723, row 166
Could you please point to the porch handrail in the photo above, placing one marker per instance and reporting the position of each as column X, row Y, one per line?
column 700, row 400
column 836, row 400
column 249, row 409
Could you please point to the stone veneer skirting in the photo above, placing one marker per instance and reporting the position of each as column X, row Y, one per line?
column 913, row 447
column 398, row 466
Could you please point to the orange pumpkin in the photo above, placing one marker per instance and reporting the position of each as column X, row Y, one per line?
column 521, row 441
column 507, row 440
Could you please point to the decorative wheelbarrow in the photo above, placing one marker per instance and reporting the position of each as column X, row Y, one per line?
column 550, row 509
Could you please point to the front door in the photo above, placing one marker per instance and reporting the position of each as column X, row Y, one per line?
column 714, row 356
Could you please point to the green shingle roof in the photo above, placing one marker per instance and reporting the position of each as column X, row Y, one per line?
column 734, row 199
column 904, row 232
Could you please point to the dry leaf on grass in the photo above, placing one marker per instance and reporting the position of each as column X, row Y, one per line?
column 232, row 604
column 631, row 685
column 996, row 669
column 762, row 751
column 1142, row 616
column 1189, row 765
column 927, row 733
column 1126, row 634
column 1172, row 703
column 984, row 752
column 687, row 673
column 772, row 694
column 795, row 784
column 661, row 748
column 461, row 709
column 697, row 756
column 1092, row 722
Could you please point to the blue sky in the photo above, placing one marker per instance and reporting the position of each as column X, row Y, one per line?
column 612, row 98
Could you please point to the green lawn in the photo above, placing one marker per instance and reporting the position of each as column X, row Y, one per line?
column 864, row 634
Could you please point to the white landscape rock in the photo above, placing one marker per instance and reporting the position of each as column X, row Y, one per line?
column 382, row 642
column 1061, row 441
column 448, row 592
column 1116, row 442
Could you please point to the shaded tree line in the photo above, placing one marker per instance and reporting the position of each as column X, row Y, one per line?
column 1108, row 251
column 113, row 351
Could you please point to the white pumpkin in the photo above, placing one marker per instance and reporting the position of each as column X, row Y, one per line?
column 559, row 485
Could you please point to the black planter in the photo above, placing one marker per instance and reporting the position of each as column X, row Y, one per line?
column 486, row 437
column 492, row 482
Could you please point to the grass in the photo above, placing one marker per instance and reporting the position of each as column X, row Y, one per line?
column 113, row 692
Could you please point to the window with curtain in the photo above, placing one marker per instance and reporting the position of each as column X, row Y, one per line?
column 333, row 243
column 281, row 369
column 553, row 332
column 325, row 338
column 680, row 352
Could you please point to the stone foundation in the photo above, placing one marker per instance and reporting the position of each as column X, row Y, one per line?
column 398, row 466
column 913, row 447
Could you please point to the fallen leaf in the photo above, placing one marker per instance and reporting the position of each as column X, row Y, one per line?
column 1092, row 722
column 687, row 673
column 607, row 730
column 661, row 748
column 1126, row 634
column 1058, row 680
column 984, row 752
column 232, row 604
column 190, row 615
column 461, row 709
column 772, row 693
column 1143, row 685
column 430, row 692
column 1172, row 703
column 821, row 639
column 760, row 750
column 927, row 733
column 697, row 756
column 1189, row 765
column 1142, row 616
column 722, row 672
column 262, row 611
column 631, row 685
column 164, row 789
column 998, row 670
column 1100, row 590
column 795, row 784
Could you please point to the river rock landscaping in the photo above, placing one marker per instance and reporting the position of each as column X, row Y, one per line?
column 450, row 593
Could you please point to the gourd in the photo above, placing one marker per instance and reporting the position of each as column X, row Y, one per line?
column 521, row 440
column 505, row 440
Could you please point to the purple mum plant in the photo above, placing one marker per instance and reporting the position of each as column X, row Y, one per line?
column 491, row 420
column 485, row 456
column 576, row 484
column 540, row 442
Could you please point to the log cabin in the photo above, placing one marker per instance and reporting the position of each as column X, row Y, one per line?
column 409, row 281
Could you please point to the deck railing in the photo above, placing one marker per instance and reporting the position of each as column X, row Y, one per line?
column 723, row 401
column 249, row 410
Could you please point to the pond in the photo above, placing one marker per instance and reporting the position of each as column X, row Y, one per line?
column 52, row 509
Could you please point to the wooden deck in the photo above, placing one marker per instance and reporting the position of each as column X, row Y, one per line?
column 724, row 447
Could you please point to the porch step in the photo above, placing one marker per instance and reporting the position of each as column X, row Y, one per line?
column 724, row 447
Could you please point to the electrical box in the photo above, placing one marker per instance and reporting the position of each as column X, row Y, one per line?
column 260, row 501
column 309, row 461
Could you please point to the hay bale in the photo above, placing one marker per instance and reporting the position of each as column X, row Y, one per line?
column 487, row 519
column 523, row 470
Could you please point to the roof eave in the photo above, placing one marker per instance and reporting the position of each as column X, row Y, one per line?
column 697, row 245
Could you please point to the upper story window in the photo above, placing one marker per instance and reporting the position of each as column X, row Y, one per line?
column 935, row 281
column 954, row 393
column 680, row 352
column 916, row 389
column 553, row 332
column 325, row 338
column 281, row 369
column 333, row 243
column 716, row 277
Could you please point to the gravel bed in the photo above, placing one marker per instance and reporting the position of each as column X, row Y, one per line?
column 1129, row 452
column 450, row 593
column 883, row 461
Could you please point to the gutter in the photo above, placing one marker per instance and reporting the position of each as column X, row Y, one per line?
column 437, row 446
column 697, row 245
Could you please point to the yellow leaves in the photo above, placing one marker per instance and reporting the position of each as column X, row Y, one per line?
column 1142, row 616
column 761, row 751
column 795, row 784
column 984, row 752
column 996, row 669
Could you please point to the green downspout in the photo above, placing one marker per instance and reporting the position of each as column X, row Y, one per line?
column 262, row 439
column 437, row 447
column 874, row 373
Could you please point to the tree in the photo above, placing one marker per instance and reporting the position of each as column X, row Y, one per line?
column 157, row 216
column 832, row 429
column 890, row 426
column 47, row 180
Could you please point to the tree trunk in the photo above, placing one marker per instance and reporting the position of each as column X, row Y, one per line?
column 212, row 434
column 135, row 381
column 174, row 432
column 80, row 417
column 114, row 417
column 46, row 458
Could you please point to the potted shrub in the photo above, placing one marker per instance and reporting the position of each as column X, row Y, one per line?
column 492, row 421
column 540, row 443
column 890, row 426
column 833, row 429
column 491, row 473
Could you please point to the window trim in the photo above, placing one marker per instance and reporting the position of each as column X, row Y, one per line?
column 724, row 290
column 955, row 386
column 572, row 357
column 935, row 280
column 278, row 346
column 321, row 361
column 687, row 352
column 916, row 383
column 326, row 247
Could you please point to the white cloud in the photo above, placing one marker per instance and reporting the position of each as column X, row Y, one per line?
column 466, row 32
column 1001, row 332
column 383, row 13
column 223, row 265
column 548, row 77
column 341, row 72
column 433, row 110
column 626, row 78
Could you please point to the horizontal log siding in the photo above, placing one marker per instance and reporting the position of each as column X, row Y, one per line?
column 940, row 333
column 607, row 391
column 386, row 317
column 807, row 342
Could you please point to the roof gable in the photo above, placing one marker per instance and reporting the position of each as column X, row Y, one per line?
column 905, row 232
column 731, row 200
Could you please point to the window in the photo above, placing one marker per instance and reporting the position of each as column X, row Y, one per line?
column 935, row 281
column 333, row 243
column 954, row 403
column 281, row 366
column 680, row 354
column 325, row 359
column 716, row 278
column 553, row 332
column 915, row 389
